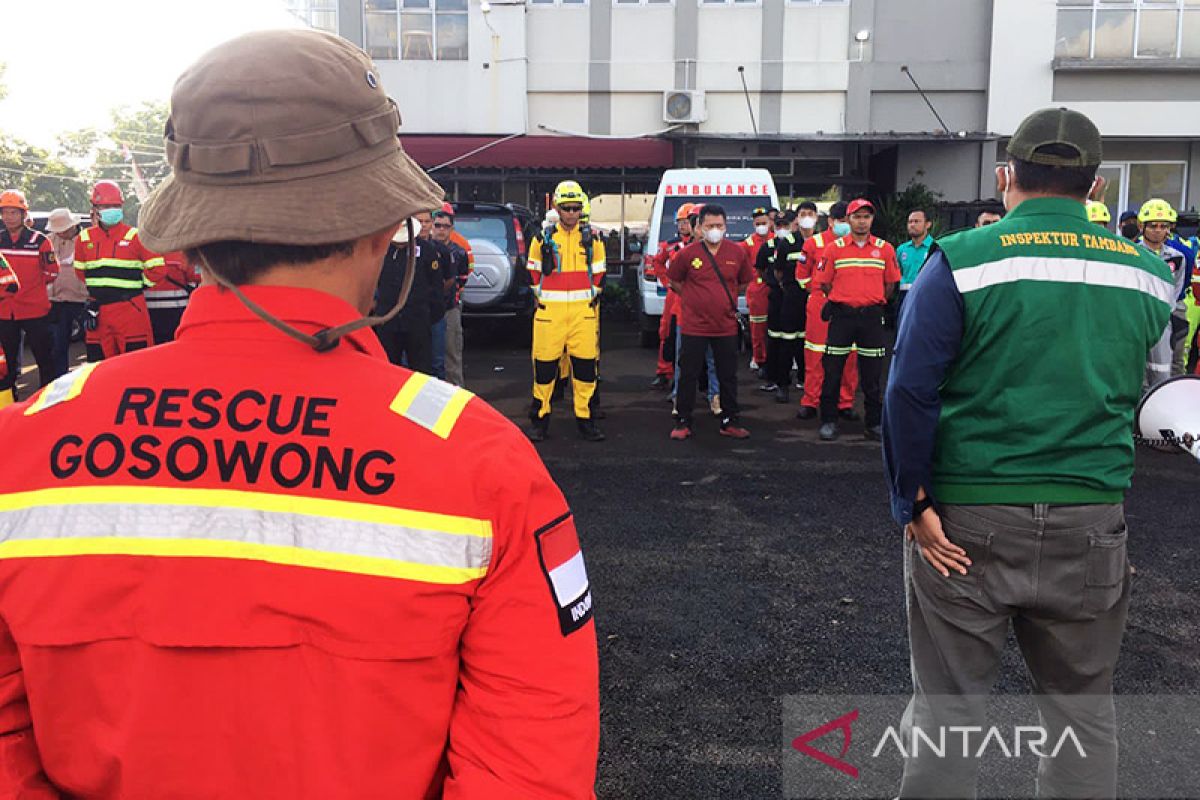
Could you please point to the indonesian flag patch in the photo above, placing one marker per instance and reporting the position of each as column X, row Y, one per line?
column 562, row 563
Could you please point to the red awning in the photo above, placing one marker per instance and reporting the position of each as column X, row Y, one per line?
column 536, row 152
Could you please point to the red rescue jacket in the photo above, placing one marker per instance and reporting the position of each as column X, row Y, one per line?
column 31, row 257
column 231, row 566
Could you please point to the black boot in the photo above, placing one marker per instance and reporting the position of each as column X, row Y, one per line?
column 539, row 429
column 589, row 432
column 781, row 394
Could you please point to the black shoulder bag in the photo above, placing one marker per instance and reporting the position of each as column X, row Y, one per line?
column 741, row 323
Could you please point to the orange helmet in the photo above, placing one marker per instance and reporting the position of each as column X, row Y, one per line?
column 12, row 198
column 107, row 193
column 684, row 211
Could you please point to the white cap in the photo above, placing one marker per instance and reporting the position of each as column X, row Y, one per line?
column 59, row 220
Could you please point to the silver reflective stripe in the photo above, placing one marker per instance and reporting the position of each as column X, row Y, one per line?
column 427, row 407
column 1064, row 270
column 318, row 534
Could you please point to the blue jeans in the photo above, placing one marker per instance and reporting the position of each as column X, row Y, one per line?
column 439, row 349
column 714, row 385
column 61, row 316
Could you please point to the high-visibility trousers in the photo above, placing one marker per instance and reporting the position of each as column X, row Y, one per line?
column 570, row 327
column 816, row 337
column 758, row 303
column 666, row 366
column 123, row 326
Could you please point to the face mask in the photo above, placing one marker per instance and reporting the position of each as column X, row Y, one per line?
column 1129, row 230
column 808, row 223
column 714, row 235
column 761, row 230
column 111, row 216
column 841, row 228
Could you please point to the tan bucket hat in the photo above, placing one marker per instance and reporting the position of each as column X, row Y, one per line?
column 270, row 127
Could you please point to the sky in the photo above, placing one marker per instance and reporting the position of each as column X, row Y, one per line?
column 71, row 61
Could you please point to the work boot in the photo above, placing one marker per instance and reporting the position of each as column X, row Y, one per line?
column 589, row 432
column 781, row 394
column 770, row 386
column 540, row 429
column 682, row 430
column 874, row 433
column 806, row 412
column 660, row 382
column 849, row 414
column 828, row 432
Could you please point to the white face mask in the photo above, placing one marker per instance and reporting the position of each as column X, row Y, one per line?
column 761, row 230
column 714, row 235
column 808, row 223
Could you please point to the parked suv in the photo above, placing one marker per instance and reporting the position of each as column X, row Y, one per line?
column 499, row 285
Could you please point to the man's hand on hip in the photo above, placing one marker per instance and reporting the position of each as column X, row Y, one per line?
column 942, row 554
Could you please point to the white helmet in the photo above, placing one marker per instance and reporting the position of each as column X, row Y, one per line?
column 1169, row 415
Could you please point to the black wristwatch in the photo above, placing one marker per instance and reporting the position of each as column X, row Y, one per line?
column 921, row 506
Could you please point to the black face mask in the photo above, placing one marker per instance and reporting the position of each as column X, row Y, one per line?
column 1129, row 230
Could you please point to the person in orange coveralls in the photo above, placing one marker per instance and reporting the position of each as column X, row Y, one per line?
column 230, row 565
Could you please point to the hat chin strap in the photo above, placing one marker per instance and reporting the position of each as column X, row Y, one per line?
column 326, row 338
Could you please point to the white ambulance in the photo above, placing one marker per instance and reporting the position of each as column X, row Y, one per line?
column 738, row 191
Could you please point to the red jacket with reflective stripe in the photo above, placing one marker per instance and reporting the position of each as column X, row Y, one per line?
column 31, row 257
column 231, row 566
column 171, row 290
column 120, row 243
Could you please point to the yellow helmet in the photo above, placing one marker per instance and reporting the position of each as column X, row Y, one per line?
column 569, row 192
column 1157, row 210
column 587, row 209
column 1098, row 212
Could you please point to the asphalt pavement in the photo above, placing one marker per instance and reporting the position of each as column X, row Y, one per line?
column 730, row 574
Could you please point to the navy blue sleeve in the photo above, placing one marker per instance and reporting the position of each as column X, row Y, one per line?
column 927, row 342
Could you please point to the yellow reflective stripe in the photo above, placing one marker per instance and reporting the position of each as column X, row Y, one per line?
column 816, row 348
column 129, row 234
column 61, row 389
column 157, row 261
column 803, row 281
column 116, row 283
column 871, row 263
column 84, row 235
column 756, row 318
column 248, row 551
column 255, row 501
column 431, row 403
column 124, row 263
column 561, row 296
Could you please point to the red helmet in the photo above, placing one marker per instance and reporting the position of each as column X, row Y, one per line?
column 448, row 209
column 107, row 193
column 12, row 198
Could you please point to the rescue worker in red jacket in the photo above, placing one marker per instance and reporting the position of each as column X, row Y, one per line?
column 26, row 310
column 116, row 267
column 816, row 331
column 759, row 291
column 231, row 566
column 168, row 297
column 664, row 374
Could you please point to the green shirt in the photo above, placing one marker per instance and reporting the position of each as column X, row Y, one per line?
column 911, row 258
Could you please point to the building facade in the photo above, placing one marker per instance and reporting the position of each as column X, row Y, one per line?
column 833, row 96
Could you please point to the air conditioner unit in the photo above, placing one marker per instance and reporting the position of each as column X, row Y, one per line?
column 684, row 105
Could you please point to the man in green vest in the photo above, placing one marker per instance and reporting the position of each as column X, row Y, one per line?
column 1008, row 443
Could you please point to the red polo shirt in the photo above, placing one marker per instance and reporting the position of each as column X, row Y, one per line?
column 706, row 309
column 32, row 258
column 859, row 273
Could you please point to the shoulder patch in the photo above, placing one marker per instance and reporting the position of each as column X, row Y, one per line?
column 561, row 560
column 432, row 404
column 61, row 389
column 129, row 234
column 84, row 235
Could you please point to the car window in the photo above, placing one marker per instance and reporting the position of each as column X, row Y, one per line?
column 478, row 226
column 738, row 221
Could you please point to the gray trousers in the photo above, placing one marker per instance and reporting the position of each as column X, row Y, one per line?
column 1060, row 576
column 454, row 346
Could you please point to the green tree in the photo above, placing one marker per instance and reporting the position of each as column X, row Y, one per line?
column 135, row 137
column 892, row 221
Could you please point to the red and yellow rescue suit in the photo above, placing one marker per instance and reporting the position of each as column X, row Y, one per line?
column 567, row 277
column 669, row 319
column 758, row 300
column 816, row 331
column 117, row 268
column 221, row 577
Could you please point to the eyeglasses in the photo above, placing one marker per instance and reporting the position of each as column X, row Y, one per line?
column 570, row 209
column 442, row 225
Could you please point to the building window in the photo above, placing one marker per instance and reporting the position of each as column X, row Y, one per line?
column 817, row 2
column 559, row 2
column 319, row 14
column 730, row 2
column 416, row 30
column 1132, row 183
column 1128, row 29
column 643, row 2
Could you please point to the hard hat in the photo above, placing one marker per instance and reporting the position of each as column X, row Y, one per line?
column 1097, row 211
column 1169, row 415
column 107, row 193
column 1157, row 210
column 12, row 198
column 684, row 211
column 587, row 208
column 448, row 209
column 568, row 192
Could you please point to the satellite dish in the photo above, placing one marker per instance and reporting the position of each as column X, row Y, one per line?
column 1168, row 417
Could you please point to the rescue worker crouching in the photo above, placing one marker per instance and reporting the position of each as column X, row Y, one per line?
column 280, row 582
column 566, row 268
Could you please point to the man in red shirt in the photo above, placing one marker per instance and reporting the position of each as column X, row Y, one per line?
column 708, row 317
column 859, row 273
column 31, row 256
